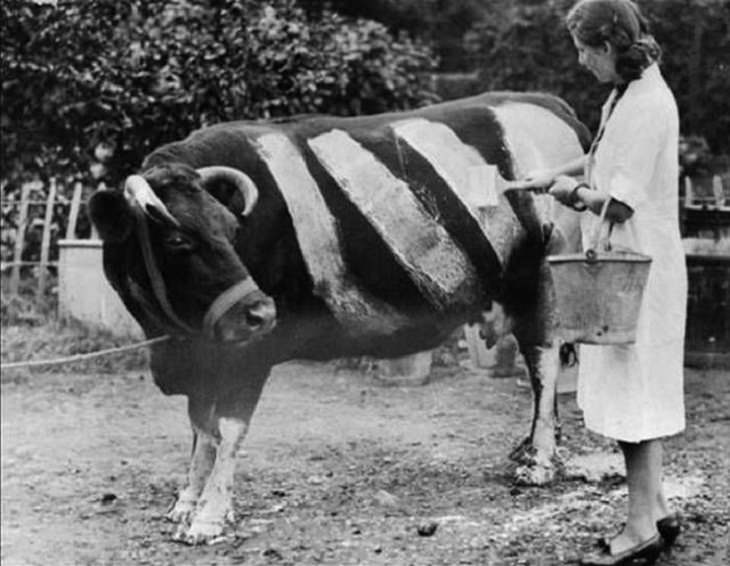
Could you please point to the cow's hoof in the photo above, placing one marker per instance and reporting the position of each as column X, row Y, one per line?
column 200, row 532
column 181, row 511
column 535, row 474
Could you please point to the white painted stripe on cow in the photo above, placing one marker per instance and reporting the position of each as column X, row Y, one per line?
column 536, row 136
column 421, row 245
column 319, row 241
column 452, row 160
column 537, row 139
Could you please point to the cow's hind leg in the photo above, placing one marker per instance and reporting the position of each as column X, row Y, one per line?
column 537, row 455
column 201, row 464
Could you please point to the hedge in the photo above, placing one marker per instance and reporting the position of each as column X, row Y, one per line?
column 119, row 77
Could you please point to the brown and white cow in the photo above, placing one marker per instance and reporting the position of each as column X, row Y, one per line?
column 252, row 243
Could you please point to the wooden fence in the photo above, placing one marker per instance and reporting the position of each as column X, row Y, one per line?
column 718, row 200
column 23, row 205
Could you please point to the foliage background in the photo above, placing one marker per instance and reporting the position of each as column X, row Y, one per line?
column 131, row 74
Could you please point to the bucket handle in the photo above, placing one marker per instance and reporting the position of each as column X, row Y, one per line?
column 592, row 252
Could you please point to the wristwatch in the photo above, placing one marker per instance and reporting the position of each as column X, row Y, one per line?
column 575, row 202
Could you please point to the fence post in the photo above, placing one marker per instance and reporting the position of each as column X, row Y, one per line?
column 20, row 238
column 46, row 240
column 73, row 214
column 688, row 195
column 717, row 191
column 94, row 232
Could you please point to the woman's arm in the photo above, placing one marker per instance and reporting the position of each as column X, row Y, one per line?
column 579, row 196
column 546, row 177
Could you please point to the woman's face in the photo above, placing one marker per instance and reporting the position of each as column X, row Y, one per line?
column 601, row 61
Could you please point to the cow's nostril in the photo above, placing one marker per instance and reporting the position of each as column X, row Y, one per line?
column 259, row 314
column 253, row 320
column 246, row 320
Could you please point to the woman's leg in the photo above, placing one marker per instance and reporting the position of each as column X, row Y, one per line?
column 661, row 505
column 646, row 500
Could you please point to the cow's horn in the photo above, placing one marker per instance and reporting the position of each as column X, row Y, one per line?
column 138, row 191
column 242, row 182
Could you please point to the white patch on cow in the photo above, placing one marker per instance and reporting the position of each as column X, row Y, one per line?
column 435, row 263
column 537, row 139
column 319, row 241
column 454, row 161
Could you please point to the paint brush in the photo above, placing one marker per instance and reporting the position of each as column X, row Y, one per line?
column 525, row 185
column 485, row 184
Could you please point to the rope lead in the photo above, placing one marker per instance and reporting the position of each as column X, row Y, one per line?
column 83, row 357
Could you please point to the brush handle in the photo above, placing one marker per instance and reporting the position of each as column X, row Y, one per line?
column 523, row 185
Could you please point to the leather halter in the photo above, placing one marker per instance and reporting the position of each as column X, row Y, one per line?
column 217, row 309
column 225, row 301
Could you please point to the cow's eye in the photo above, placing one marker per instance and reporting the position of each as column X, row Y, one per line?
column 178, row 242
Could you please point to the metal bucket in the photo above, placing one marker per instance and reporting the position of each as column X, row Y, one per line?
column 599, row 295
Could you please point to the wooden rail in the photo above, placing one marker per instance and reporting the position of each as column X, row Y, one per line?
column 24, row 217
column 717, row 201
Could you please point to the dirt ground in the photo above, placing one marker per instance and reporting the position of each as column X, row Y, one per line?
column 338, row 469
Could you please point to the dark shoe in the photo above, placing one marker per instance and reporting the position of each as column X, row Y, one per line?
column 669, row 527
column 643, row 553
column 604, row 543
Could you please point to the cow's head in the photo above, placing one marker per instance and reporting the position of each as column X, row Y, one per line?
column 180, row 227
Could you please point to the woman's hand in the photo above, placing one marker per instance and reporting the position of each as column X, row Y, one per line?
column 539, row 179
column 563, row 190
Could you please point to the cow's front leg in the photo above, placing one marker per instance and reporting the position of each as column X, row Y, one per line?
column 215, row 505
column 537, row 455
column 201, row 464
column 225, row 422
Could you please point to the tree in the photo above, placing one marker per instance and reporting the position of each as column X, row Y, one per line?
column 132, row 74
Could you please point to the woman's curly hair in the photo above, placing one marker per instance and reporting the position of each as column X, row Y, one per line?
column 621, row 23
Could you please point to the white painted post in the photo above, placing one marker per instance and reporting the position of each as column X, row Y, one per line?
column 73, row 214
column 20, row 238
column 717, row 191
column 688, row 194
column 46, row 239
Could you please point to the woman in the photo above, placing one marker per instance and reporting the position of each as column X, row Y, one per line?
column 632, row 393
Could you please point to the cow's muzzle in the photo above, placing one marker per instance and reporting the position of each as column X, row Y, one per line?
column 240, row 313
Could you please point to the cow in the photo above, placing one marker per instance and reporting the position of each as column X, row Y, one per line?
column 251, row 243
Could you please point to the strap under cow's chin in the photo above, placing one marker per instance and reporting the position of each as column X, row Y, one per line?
column 225, row 301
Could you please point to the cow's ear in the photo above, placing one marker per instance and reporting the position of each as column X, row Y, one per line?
column 111, row 215
column 226, row 193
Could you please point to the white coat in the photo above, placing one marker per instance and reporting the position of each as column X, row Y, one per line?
column 635, row 392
